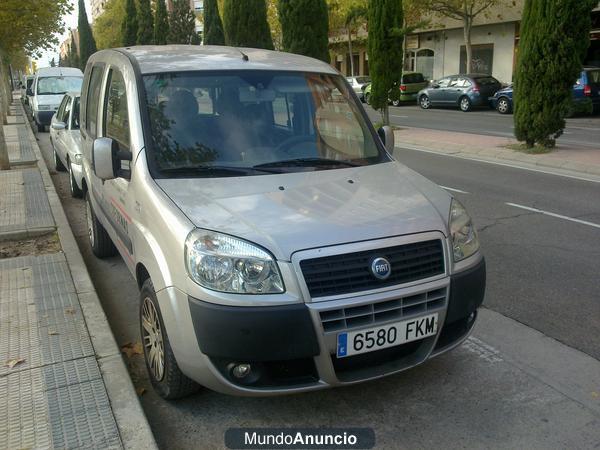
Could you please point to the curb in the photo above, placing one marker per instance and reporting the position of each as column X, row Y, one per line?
column 501, row 157
column 131, row 421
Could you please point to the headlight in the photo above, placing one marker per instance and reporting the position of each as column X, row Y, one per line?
column 227, row 264
column 77, row 159
column 44, row 107
column 462, row 231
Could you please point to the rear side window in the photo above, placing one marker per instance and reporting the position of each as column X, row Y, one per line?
column 486, row 81
column 91, row 109
column 116, row 121
column 410, row 78
column 593, row 76
column 60, row 113
column 75, row 115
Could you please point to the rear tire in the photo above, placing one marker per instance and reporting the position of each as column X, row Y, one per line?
column 465, row 104
column 166, row 377
column 396, row 102
column 100, row 241
column 424, row 102
column 368, row 99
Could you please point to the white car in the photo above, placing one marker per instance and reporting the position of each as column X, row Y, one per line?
column 66, row 141
column 357, row 84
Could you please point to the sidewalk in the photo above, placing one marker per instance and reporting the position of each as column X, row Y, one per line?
column 63, row 383
column 576, row 161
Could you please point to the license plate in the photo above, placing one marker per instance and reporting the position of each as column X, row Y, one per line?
column 377, row 338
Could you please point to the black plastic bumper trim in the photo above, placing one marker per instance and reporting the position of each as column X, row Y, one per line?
column 467, row 290
column 249, row 334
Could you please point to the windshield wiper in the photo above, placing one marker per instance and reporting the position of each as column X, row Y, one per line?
column 307, row 162
column 231, row 171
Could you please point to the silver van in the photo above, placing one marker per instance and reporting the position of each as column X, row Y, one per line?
column 49, row 86
column 277, row 244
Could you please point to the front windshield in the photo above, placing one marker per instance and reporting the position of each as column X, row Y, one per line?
column 255, row 119
column 58, row 85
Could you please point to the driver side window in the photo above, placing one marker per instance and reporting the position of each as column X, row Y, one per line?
column 444, row 82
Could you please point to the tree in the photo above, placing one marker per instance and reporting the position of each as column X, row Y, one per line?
column 354, row 16
column 305, row 27
column 161, row 23
column 385, row 51
column 87, row 44
column 52, row 63
column 246, row 24
column 213, row 26
column 347, row 17
column 554, row 40
column 145, row 33
column 108, row 26
column 182, row 23
column 130, row 24
column 464, row 11
column 74, row 58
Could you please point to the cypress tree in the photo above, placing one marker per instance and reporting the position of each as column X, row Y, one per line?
column 213, row 27
column 161, row 23
column 554, row 39
column 73, row 58
column 246, row 25
column 182, row 24
column 130, row 24
column 385, row 51
column 145, row 33
column 305, row 27
column 87, row 44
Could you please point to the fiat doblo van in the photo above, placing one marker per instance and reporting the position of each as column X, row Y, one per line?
column 277, row 244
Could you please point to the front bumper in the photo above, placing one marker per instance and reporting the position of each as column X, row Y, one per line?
column 290, row 350
column 43, row 117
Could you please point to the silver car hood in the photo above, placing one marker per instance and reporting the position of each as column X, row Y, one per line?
column 314, row 209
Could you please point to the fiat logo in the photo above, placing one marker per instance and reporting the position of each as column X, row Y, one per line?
column 381, row 268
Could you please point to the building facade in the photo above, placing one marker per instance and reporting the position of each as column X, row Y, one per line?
column 439, row 49
column 97, row 7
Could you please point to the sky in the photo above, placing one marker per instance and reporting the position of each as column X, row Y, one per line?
column 70, row 22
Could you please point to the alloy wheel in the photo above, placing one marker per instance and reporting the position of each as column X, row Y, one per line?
column 465, row 104
column 425, row 103
column 153, row 339
column 503, row 106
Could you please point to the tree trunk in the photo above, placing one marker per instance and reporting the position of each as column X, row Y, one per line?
column 4, row 162
column 385, row 115
column 467, row 24
column 350, row 52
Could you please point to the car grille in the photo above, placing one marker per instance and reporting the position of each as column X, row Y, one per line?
column 345, row 273
column 383, row 311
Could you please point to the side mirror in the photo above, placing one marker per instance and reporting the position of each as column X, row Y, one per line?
column 435, row 86
column 107, row 159
column 386, row 134
column 59, row 125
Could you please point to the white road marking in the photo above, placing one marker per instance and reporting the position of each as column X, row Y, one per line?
column 483, row 350
column 454, row 190
column 558, row 216
column 401, row 117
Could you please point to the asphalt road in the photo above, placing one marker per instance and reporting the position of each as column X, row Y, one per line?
column 508, row 387
column 580, row 131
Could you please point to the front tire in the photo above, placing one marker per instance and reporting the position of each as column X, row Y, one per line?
column 368, row 99
column 73, row 188
column 58, row 165
column 424, row 102
column 100, row 241
column 166, row 377
column 465, row 104
column 503, row 106
column 396, row 102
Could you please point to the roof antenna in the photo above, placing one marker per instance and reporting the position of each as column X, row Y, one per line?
column 244, row 56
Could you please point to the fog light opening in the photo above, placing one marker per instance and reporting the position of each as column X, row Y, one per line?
column 241, row 371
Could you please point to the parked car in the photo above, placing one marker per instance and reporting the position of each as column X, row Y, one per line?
column 66, row 141
column 586, row 93
column 48, row 89
column 357, row 84
column 410, row 84
column 26, row 85
column 464, row 91
column 278, row 245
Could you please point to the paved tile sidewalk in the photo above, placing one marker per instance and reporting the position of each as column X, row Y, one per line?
column 24, row 207
column 56, row 396
column 19, row 146
column 582, row 160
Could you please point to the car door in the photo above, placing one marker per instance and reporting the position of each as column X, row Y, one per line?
column 458, row 88
column 437, row 94
column 63, row 135
column 115, row 125
column 57, row 135
column 453, row 91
